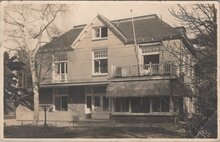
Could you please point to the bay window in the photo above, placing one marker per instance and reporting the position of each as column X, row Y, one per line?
column 141, row 104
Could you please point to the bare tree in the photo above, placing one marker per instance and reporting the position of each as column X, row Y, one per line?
column 26, row 26
column 200, row 21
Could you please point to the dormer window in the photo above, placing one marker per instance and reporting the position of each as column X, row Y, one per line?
column 100, row 33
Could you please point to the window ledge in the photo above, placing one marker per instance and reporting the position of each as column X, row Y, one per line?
column 96, row 39
column 98, row 75
column 153, row 113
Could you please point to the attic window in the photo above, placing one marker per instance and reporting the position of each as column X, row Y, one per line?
column 100, row 32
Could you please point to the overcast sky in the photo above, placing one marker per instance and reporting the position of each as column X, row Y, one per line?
column 84, row 12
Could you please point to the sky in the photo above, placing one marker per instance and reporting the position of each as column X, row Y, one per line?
column 84, row 12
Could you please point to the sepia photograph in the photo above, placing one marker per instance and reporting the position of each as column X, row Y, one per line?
column 109, row 70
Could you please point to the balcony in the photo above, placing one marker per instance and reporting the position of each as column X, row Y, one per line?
column 144, row 70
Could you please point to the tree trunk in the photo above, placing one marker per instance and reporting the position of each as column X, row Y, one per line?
column 36, row 93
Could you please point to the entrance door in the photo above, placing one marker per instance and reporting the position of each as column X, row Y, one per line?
column 97, row 104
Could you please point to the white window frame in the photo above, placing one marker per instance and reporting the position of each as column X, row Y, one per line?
column 58, row 93
column 57, row 62
column 146, row 54
column 94, row 37
column 151, row 112
column 98, row 58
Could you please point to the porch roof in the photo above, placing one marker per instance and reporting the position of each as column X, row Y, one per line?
column 73, row 84
column 148, row 88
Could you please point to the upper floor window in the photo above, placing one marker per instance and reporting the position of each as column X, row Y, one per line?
column 150, row 54
column 60, row 63
column 100, row 32
column 100, row 61
column 150, row 59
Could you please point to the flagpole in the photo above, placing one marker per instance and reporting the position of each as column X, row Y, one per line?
column 135, row 43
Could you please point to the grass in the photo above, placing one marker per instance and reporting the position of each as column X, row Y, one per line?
column 30, row 131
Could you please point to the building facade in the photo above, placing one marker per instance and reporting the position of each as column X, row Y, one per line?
column 121, row 68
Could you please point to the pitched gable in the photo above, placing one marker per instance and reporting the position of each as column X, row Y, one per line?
column 62, row 42
column 147, row 29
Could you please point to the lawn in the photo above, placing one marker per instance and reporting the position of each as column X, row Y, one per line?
column 29, row 131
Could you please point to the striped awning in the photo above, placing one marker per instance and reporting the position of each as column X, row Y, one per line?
column 147, row 88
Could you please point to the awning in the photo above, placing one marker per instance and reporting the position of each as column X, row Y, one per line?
column 146, row 88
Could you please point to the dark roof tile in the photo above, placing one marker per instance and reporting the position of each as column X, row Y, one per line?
column 62, row 42
column 148, row 28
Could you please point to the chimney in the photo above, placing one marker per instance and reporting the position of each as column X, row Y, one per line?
column 180, row 30
column 54, row 37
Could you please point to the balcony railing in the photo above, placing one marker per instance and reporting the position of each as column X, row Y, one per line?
column 144, row 70
column 59, row 78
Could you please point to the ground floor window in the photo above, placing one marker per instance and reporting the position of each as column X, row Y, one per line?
column 105, row 104
column 178, row 104
column 60, row 96
column 161, row 104
column 88, row 102
column 97, row 101
column 61, row 103
column 141, row 104
column 121, row 104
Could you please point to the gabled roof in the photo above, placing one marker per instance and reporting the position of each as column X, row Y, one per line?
column 113, row 28
column 62, row 42
column 148, row 28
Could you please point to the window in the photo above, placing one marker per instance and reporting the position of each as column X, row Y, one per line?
column 153, row 59
column 60, row 99
column 100, row 61
column 105, row 104
column 151, row 63
column 61, row 103
column 88, row 102
column 97, row 101
column 140, row 105
column 100, row 32
column 60, row 63
column 150, row 54
column 121, row 104
column 161, row 104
